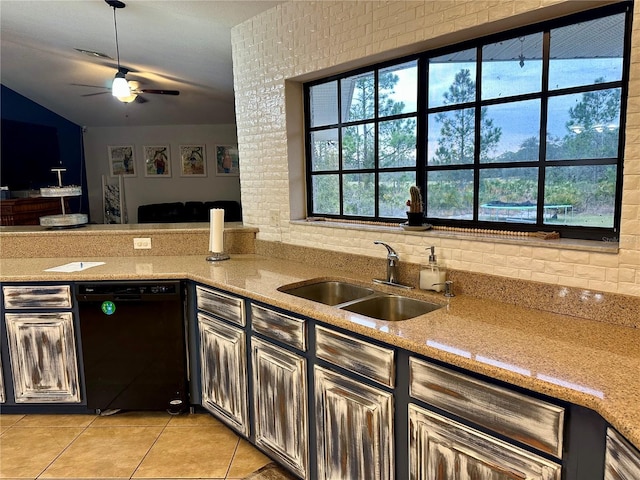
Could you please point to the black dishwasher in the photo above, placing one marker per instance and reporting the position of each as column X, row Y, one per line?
column 133, row 345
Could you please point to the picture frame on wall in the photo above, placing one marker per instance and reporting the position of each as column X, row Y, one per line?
column 122, row 160
column 193, row 161
column 157, row 160
column 227, row 160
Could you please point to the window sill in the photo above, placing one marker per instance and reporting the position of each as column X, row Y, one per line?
column 560, row 243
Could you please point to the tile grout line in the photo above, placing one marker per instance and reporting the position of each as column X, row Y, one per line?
column 65, row 448
column 235, row 450
column 149, row 450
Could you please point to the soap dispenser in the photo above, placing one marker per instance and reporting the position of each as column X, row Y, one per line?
column 433, row 276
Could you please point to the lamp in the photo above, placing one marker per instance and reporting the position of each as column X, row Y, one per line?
column 119, row 88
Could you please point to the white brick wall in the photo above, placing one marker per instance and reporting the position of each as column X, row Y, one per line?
column 301, row 40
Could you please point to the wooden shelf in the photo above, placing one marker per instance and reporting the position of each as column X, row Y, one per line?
column 27, row 211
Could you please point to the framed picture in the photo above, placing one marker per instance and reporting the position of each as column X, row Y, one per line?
column 227, row 161
column 193, row 161
column 157, row 160
column 122, row 160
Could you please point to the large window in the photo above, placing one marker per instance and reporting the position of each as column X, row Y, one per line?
column 521, row 131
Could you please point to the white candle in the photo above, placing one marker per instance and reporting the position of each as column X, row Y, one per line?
column 216, row 230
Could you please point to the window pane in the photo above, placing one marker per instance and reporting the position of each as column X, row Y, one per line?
column 358, row 96
column 326, row 194
column 512, row 67
column 584, row 52
column 508, row 195
column 450, row 194
column 398, row 89
column 584, row 125
column 452, row 78
column 359, row 194
column 324, row 104
column 451, row 137
column 394, row 193
column 324, row 150
column 397, row 143
column 580, row 195
column 358, row 146
column 510, row 132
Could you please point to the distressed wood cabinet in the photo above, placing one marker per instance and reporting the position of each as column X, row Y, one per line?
column 371, row 361
column 223, row 364
column 531, row 421
column 36, row 297
column 622, row 460
column 443, row 449
column 280, row 390
column 354, row 422
column 223, row 357
column 41, row 344
column 287, row 329
column 2, row 394
column 354, row 425
column 280, row 404
column 222, row 305
column 43, row 356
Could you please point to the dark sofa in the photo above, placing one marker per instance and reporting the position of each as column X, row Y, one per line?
column 179, row 212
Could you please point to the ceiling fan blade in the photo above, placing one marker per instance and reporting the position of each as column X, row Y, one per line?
column 85, row 85
column 160, row 92
column 93, row 94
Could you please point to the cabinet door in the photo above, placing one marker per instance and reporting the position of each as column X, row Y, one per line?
column 223, row 362
column 2, row 397
column 354, row 429
column 280, row 399
column 622, row 461
column 443, row 449
column 43, row 357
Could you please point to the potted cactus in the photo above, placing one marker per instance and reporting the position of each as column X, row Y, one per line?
column 415, row 214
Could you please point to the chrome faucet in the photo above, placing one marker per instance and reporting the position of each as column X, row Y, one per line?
column 392, row 264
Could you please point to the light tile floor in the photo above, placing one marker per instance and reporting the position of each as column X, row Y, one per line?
column 136, row 445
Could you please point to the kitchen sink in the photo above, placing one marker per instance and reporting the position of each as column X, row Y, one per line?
column 362, row 300
column 391, row 308
column 329, row 292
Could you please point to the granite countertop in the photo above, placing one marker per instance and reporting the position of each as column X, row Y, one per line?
column 589, row 363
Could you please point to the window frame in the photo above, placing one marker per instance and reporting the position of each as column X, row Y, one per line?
column 422, row 169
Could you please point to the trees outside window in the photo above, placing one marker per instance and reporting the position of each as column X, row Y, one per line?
column 489, row 143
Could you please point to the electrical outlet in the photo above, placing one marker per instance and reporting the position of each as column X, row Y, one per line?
column 141, row 243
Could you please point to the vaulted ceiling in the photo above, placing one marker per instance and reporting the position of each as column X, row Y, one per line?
column 166, row 45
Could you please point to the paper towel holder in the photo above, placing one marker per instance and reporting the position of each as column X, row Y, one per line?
column 218, row 256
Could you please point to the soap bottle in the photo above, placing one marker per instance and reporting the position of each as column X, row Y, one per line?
column 433, row 276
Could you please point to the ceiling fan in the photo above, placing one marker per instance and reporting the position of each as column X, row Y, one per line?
column 124, row 90
column 135, row 90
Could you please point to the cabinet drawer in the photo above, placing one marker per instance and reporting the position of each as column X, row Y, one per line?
column 528, row 420
column 443, row 449
column 366, row 359
column 222, row 305
column 289, row 330
column 37, row 296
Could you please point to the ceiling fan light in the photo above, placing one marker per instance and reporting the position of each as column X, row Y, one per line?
column 120, row 87
column 128, row 99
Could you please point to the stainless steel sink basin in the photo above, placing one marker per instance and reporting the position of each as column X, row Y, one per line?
column 391, row 308
column 329, row 292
